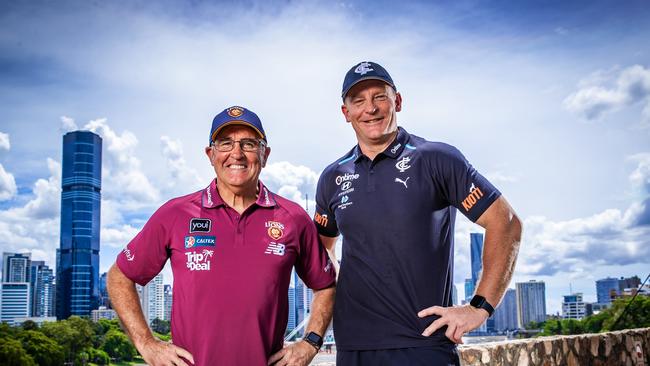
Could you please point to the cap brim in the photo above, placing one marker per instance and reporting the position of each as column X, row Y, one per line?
column 364, row 79
column 237, row 122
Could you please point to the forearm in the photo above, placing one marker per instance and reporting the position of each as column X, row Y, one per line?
column 500, row 250
column 321, row 314
column 126, row 303
column 329, row 243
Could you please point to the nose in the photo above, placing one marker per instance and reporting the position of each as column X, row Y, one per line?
column 371, row 108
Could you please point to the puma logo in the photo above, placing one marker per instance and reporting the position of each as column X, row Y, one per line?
column 397, row 180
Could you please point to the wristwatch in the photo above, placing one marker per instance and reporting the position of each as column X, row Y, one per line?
column 314, row 339
column 479, row 302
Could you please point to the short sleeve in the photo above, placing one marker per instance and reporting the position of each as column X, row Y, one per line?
column 324, row 216
column 145, row 255
column 313, row 266
column 462, row 185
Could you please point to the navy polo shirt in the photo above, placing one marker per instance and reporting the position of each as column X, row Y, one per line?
column 396, row 214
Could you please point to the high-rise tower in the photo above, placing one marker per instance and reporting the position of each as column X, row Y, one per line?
column 77, row 279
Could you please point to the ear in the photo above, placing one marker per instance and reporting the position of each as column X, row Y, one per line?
column 346, row 113
column 398, row 102
column 208, row 153
column 265, row 157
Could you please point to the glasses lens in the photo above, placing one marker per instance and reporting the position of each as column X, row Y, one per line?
column 224, row 145
column 248, row 144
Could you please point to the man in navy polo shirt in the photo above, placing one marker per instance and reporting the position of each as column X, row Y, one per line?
column 232, row 247
column 393, row 198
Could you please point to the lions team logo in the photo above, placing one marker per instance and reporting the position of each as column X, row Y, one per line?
column 275, row 229
column 235, row 111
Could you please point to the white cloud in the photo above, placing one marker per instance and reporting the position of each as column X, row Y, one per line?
column 291, row 181
column 7, row 185
column 4, row 141
column 118, row 236
column 600, row 94
column 641, row 175
column 183, row 177
column 123, row 179
column 35, row 226
column 68, row 124
column 611, row 237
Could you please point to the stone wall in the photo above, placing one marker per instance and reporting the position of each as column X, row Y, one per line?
column 628, row 347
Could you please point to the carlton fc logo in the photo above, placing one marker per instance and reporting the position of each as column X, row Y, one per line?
column 363, row 68
column 403, row 164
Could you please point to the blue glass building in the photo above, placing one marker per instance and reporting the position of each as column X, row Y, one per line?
column 42, row 286
column 607, row 288
column 77, row 279
column 476, row 246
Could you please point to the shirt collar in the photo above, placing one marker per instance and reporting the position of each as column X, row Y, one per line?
column 211, row 198
column 393, row 150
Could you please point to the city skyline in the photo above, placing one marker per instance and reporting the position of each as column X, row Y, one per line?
column 551, row 105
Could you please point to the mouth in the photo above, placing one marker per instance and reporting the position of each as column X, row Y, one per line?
column 374, row 120
column 236, row 166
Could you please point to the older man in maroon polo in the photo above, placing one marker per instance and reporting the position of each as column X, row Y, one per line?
column 232, row 247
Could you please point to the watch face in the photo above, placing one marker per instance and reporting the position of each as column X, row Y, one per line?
column 315, row 338
column 477, row 301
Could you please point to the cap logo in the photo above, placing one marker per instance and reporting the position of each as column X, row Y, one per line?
column 363, row 68
column 235, row 112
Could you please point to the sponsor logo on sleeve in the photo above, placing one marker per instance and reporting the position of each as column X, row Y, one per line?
column 128, row 254
column 198, row 225
column 199, row 261
column 475, row 194
column 199, row 241
column 320, row 219
column 403, row 164
column 275, row 248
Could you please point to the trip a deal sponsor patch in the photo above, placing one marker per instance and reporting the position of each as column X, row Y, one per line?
column 193, row 241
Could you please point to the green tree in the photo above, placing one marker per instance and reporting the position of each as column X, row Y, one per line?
column 73, row 334
column 160, row 326
column 29, row 325
column 12, row 353
column 98, row 356
column 117, row 345
column 44, row 351
column 637, row 314
column 594, row 323
column 572, row 326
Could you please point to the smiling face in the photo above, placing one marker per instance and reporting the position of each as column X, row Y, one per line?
column 371, row 107
column 238, row 170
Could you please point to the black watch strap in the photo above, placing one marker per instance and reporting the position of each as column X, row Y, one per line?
column 480, row 302
column 314, row 339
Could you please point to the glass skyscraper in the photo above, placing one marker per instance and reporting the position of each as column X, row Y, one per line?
column 476, row 246
column 77, row 278
column 15, row 289
column 607, row 288
column 42, row 284
column 531, row 302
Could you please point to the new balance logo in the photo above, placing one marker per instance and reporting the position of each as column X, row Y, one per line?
column 275, row 248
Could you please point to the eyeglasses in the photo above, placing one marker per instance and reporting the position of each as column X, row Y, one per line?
column 248, row 145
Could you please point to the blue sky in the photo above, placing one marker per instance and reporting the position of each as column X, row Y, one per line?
column 548, row 99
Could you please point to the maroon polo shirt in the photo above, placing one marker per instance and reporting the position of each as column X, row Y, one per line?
column 231, row 271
